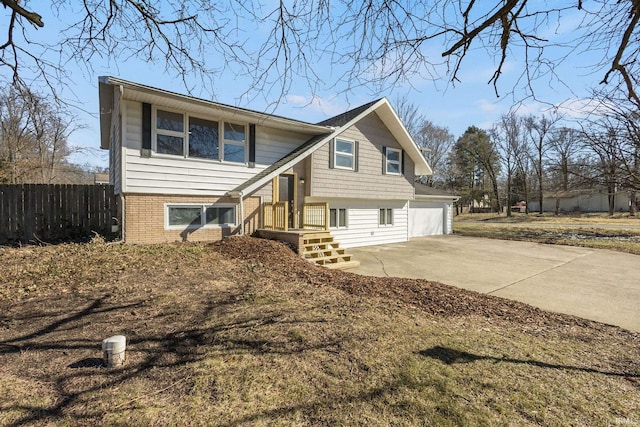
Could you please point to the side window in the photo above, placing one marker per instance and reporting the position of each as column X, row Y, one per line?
column 385, row 216
column 234, row 142
column 392, row 161
column 337, row 218
column 344, row 154
column 169, row 132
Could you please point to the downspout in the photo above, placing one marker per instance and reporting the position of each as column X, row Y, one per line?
column 122, row 219
column 121, row 224
column 240, row 195
column 241, row 214
column 122, row 198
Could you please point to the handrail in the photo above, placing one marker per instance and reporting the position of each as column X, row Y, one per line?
column 276, row 216
column 315, row 216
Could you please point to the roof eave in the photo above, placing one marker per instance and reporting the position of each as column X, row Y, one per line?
column 426, row 196
column 250, row 115
column 394, row 124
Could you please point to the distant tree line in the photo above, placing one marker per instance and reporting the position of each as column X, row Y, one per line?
column 34, row 141
column 524, row 158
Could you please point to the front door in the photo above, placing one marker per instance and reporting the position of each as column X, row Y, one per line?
column 286, row 189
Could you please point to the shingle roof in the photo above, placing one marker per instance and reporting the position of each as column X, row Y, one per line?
column 342, row 119
column 425, row 190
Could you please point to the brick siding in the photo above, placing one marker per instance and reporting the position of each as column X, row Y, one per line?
column 145, row 218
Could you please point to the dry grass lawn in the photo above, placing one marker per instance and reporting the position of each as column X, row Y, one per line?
column 246, row 333
column 619, row 233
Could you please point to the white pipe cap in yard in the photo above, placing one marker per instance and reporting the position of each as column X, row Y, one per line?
column 113, row 349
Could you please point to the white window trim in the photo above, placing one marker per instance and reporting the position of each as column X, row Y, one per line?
column 203, row 207
column 185, row 136
column 395, row 162
column 337, row 153
column 346, row 218
column 387, row 223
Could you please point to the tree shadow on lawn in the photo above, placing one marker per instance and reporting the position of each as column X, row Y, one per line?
column 175, row 340
column 451, row 356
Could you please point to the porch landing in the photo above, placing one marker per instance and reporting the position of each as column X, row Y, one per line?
column 317, row 247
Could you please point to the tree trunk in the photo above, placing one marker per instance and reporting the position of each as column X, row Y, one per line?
column 632, row 203
column 557, row 205
column 612, row 200
column 526, row 198
column 540, row 197
column 508, row 203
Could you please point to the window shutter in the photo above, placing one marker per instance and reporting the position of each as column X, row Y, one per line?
column 146, row 126
column 252, row 146
column 332, row 154
column 384, row 160
column 356, row 155
column 402, row 162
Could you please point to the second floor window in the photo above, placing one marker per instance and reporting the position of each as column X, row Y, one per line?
column 203, row 139
column 393, row 161
column 343, row 154
column 169, row 133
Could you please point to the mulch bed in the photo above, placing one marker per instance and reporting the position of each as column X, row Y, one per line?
column 430, row 297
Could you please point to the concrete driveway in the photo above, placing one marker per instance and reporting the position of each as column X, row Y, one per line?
column 590, row 283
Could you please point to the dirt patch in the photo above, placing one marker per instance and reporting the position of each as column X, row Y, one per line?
column 244, row 332
column 430, row 297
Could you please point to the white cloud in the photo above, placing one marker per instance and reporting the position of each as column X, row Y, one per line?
column 531, row 108
column 315, row 106
column 487, row 106
column 580, row 108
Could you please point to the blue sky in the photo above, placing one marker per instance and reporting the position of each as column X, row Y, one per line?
column 471, row 101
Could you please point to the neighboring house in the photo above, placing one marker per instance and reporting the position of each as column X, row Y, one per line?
column 101, row 178
column 192, row 169
column 589, row 200
column 431, row 213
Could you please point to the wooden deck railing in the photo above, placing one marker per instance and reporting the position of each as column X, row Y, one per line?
column 315, row 216
column 276, row 216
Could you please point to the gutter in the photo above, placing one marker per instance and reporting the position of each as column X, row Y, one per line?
column 425, row 197
column 229, row 110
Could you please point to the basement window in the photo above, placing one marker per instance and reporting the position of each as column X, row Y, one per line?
column 199, row 216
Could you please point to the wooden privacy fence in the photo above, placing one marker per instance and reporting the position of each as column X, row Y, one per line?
column 48, row 213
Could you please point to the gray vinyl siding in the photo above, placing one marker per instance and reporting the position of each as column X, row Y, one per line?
column 266, row 192
column 368, row 182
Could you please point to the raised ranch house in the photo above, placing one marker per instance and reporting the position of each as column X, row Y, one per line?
column 192, row 169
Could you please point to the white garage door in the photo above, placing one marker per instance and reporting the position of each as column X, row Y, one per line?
column 425, row 219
